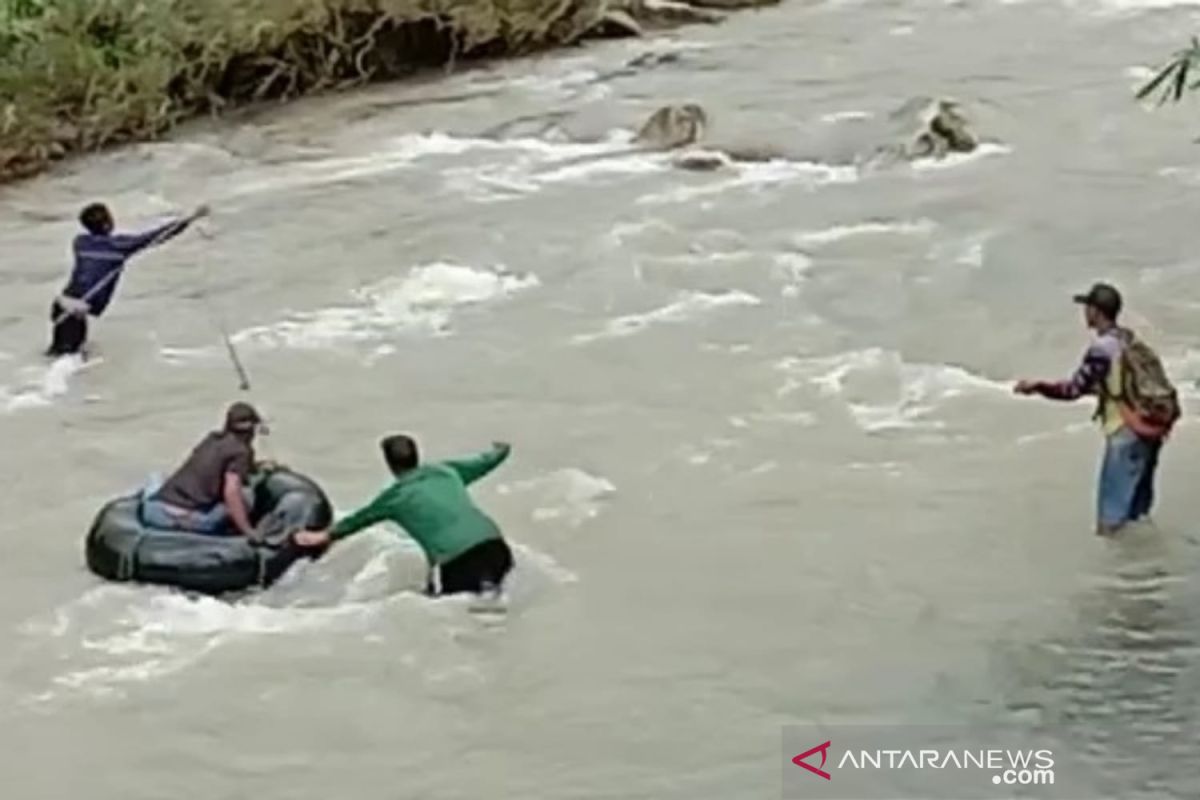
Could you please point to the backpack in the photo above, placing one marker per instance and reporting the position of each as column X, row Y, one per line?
column 1145, row 387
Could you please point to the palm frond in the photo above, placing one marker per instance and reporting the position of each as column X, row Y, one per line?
column 1172, row 80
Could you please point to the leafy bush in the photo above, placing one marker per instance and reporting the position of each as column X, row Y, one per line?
column 80, row 74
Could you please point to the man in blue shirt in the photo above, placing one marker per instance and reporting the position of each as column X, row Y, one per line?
column 100, row 256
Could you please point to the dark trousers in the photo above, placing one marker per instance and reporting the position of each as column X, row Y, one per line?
column 482, row 567
column 69, row 335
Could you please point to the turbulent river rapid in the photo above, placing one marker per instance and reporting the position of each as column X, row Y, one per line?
column 767, row 467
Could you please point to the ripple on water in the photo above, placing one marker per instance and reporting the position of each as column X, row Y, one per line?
column 1121, row 690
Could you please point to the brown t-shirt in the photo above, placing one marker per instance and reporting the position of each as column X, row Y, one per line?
column 198, row 484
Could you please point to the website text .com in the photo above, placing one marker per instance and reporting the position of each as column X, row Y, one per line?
column 1025, row 777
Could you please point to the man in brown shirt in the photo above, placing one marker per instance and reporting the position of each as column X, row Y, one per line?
column 210, row 492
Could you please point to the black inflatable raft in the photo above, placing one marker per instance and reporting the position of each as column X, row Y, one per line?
column 120, row 547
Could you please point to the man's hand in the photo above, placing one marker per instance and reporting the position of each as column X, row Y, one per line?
column 1026, row 387
column 311, row 538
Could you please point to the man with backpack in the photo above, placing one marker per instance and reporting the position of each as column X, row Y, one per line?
column 1136, row 406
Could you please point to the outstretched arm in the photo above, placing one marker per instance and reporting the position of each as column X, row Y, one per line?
column 378, row 510
column 374, row 512
column 1087, row 379
column 130, row 243
column 473, row 468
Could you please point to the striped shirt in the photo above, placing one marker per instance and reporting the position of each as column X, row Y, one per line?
column 1097, row 374
column 99, row 259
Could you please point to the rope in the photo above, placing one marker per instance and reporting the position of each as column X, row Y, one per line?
column 219, row 320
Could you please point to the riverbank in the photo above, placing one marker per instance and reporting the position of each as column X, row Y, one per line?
column 80, row 75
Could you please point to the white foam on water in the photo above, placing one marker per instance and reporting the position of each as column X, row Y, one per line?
column 543, row 565
column 40, row 386
column 622, row 232
column 968, row 251
column 889, row 469
column 1137, row 5
column 971, row 255
column 630, row 164
column 118, row 635
column 756, row 176
column 423, row 300
column 838, row 233
column 792, row 270
column 568, row 496
column 805, row 419
column 1189, row 176
column 568, row 80
column 391, row 155
column 406, row 150
column 538, row 164
column 687, row 307
column 883, row 392
column 953, row 160
column 1140, row 73
column 845, row 116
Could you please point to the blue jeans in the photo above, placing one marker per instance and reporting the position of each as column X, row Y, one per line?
column 214, row 521
column 1126, row 490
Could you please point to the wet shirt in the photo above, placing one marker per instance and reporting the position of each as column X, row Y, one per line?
column 1099, row 373
column 198, row 484
column 99, row 260
column 432, row 505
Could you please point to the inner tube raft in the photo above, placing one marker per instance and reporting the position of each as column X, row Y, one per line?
column 120, row 547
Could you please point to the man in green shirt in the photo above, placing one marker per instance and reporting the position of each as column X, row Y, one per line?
column 464, row 547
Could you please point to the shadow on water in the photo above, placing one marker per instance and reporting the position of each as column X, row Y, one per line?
column 1118, row 690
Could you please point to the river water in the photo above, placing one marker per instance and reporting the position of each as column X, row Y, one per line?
column 767, row 467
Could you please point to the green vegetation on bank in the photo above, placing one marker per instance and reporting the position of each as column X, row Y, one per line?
column 76, row 75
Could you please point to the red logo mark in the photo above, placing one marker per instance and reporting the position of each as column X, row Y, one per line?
column 824, row 750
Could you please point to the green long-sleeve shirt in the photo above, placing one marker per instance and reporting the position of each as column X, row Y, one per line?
column 432, row 505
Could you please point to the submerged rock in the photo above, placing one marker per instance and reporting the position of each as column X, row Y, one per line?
column 673, row 126
column 922, row 128
column 941, row 129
